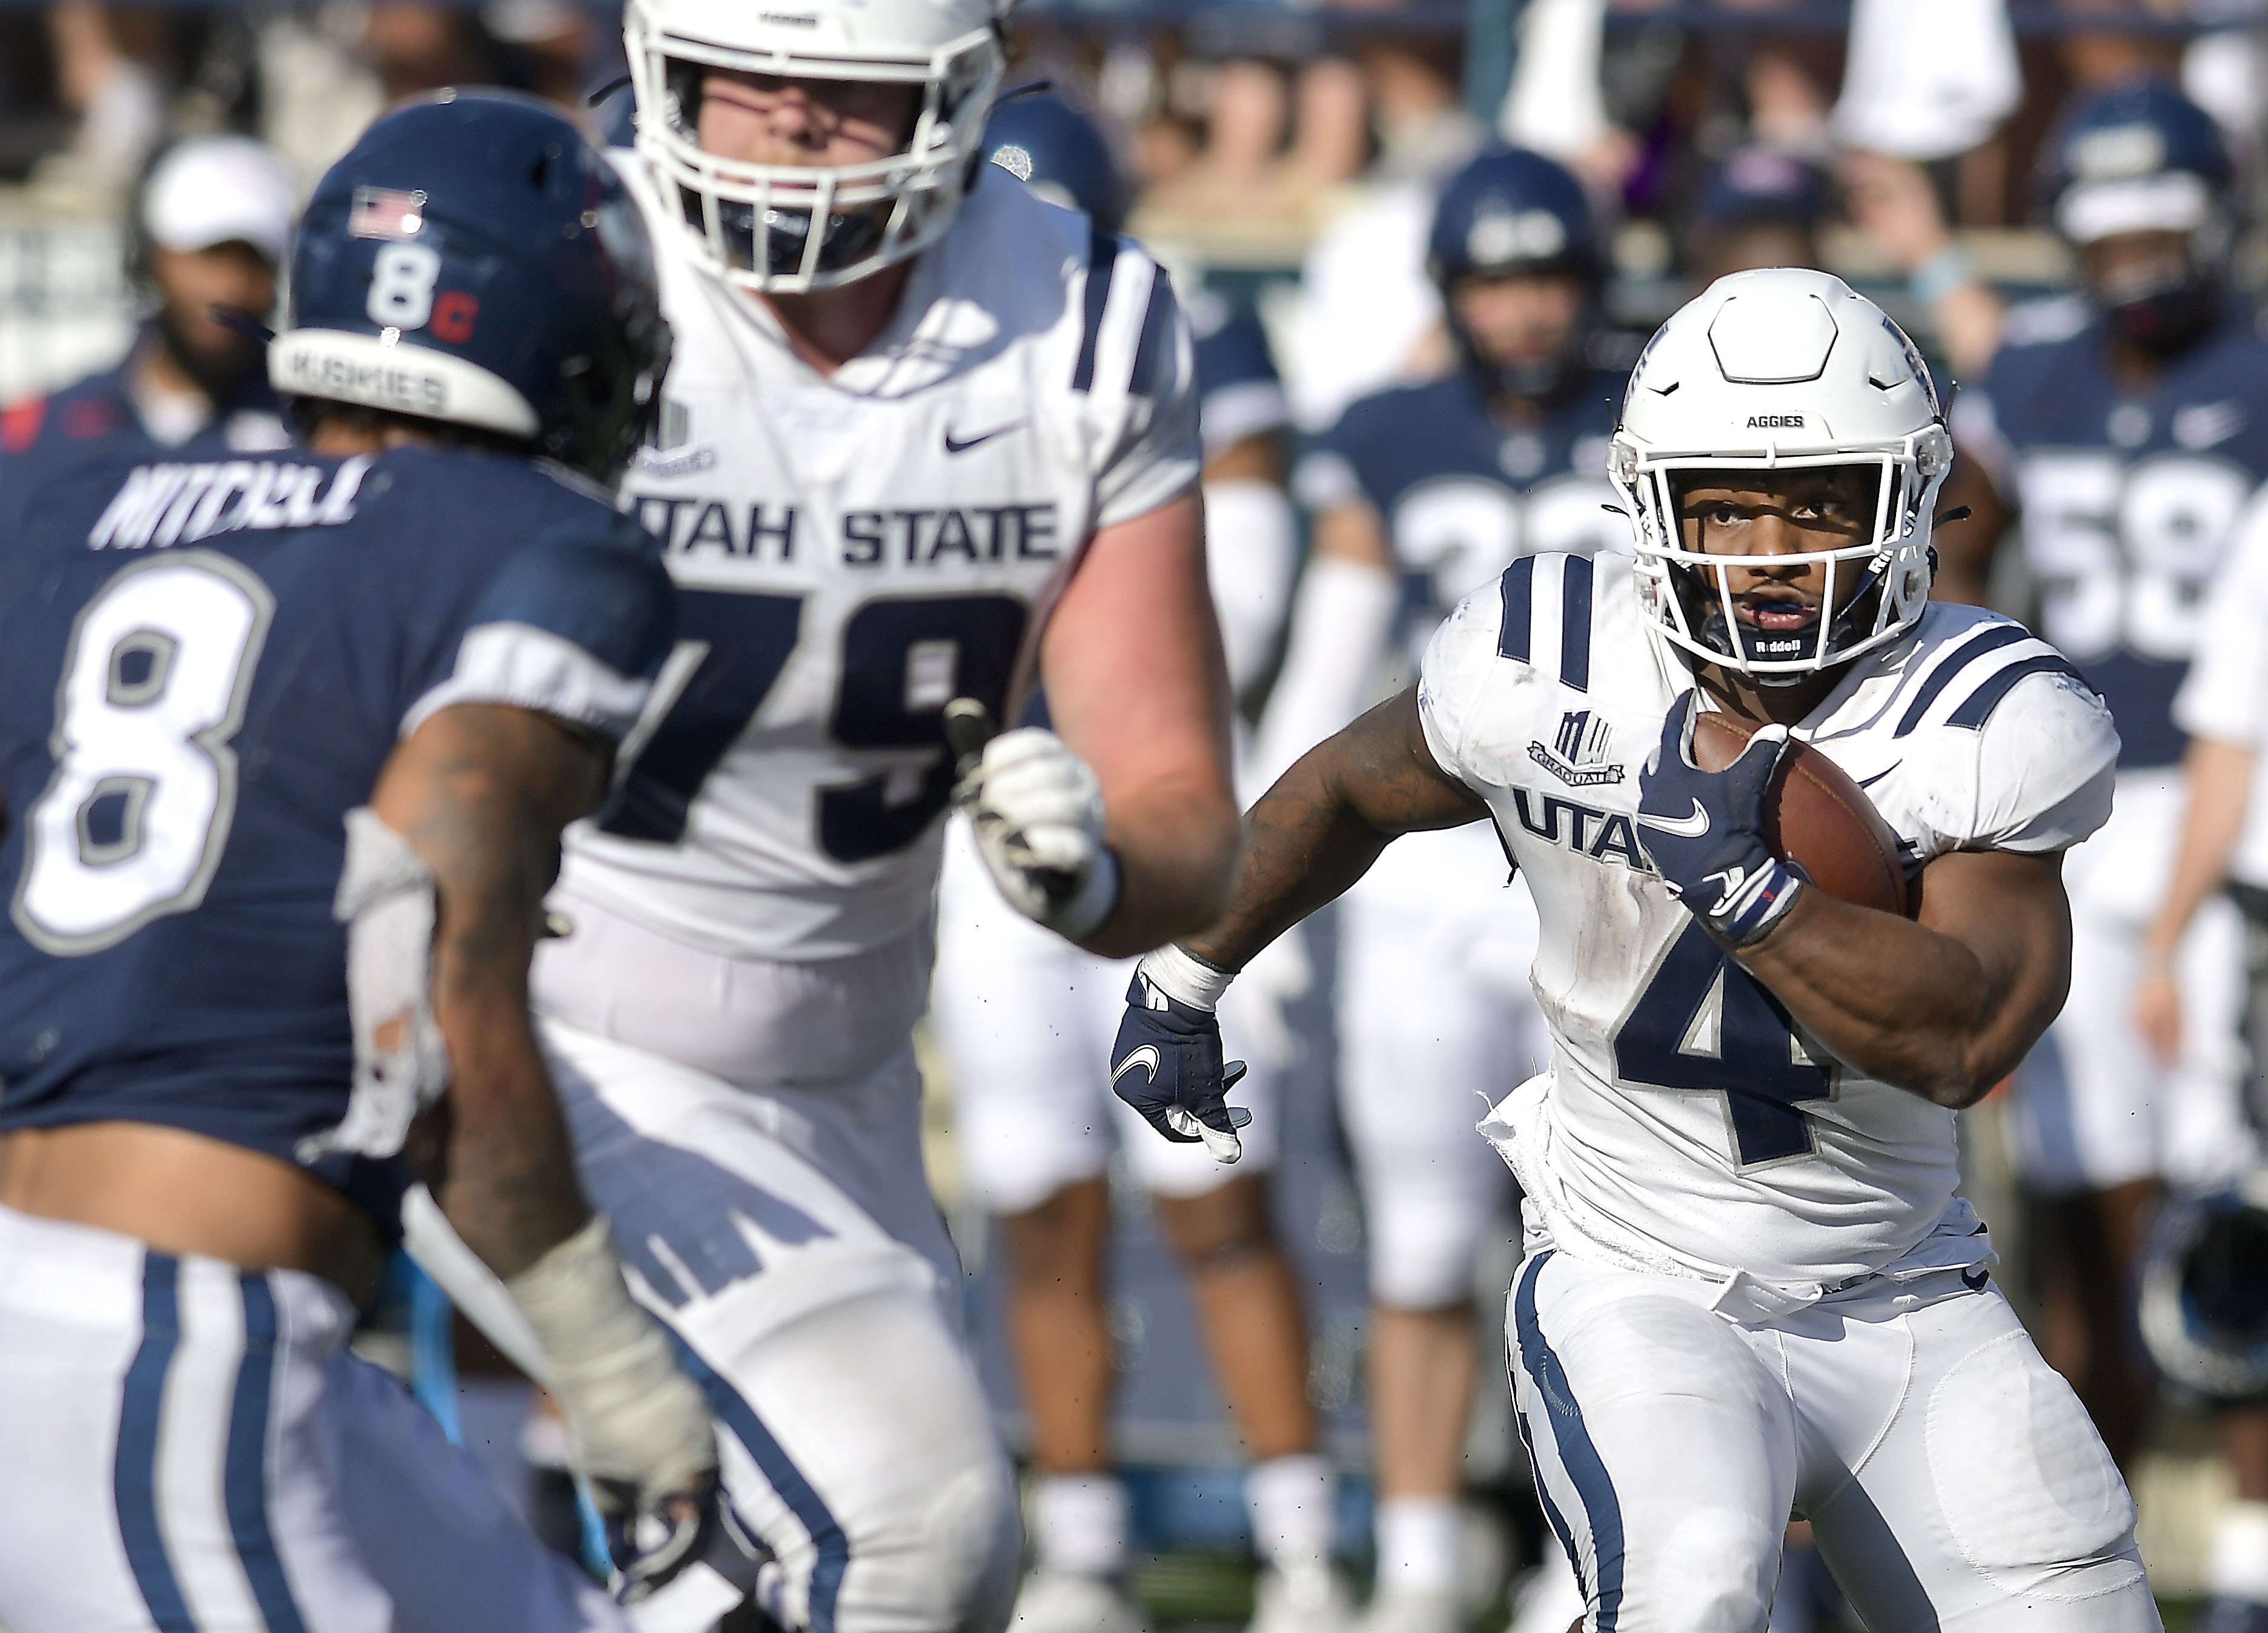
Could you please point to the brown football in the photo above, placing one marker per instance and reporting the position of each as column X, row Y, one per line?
column 1816, row 817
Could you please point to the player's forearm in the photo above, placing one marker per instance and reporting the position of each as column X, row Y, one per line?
column 480, row 794
column 1177, row 843
column 2220, row 786
column 1325, row 821
column 1907, row 1005
column 1305, row 847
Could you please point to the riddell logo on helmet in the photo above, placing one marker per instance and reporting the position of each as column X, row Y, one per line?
column 1775, row 421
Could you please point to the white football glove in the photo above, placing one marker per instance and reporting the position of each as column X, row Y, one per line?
column 1036, row 810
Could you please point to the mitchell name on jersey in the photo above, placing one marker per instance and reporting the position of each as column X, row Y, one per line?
column 1687, row 1125
column 854, row 551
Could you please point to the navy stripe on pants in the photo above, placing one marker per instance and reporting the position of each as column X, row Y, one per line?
column 1572, row 1440
column 134, row 1476
column 803, row 1499
column 245, row 1478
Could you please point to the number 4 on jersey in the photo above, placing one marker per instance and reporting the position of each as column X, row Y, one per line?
column 1704, row 1023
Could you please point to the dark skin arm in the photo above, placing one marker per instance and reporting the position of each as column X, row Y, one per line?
column 481, row 792
column 1943, row 1007
column 1326, row 820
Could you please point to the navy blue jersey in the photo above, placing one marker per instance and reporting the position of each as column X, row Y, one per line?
column 96, row 416
column 1238, row 393
column 202, row 668
column 2129, row 498
column 1462, row 496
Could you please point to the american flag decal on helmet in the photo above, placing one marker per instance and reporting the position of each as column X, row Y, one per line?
column 386, row 213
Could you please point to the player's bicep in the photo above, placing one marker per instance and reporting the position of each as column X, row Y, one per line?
column 481, row 792
column 1132, row 658
column 1385, row 772
column 2009, row 911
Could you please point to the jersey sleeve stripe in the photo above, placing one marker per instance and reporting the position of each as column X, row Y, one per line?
column 1513, row 636
column 1575, row 622
column 1101, row 265
column 1154, row 352
column 1960, row 658
column 1977, row 708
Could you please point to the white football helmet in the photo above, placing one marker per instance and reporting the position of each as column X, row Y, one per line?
column 1776, row 370
column 787, row 229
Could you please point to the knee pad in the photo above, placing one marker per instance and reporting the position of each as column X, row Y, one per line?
column 943, row 1559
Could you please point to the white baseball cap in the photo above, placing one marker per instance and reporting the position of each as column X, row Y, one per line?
column 212, row 190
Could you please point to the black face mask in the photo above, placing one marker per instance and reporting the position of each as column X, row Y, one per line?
column 2169, row 317
column 222, row 372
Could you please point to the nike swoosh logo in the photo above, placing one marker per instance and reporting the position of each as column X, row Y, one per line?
column 1685, row 827
column 1868, row 781
column 1146, row 1057
column 953, row 445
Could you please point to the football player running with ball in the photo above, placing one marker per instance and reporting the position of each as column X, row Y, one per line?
column 1750, row 1287
column 929, row 439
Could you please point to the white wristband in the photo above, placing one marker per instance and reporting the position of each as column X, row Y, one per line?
column 632, row 1414
column 1184, row 977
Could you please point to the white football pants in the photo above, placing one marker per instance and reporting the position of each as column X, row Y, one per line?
column 787, row 1237
column 2094, row 1107
column 1436, row 1023
column 1026, row 1021
column 1952, row 1478
column 191, row 1445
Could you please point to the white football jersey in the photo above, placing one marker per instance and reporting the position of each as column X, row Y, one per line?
column 853, row 551
column 1687, row 1124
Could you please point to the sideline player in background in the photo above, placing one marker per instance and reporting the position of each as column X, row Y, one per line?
column 1749, row 1284
column 1422, row 494
column 2128, row 427
column 286, row 749
column 927, row 439
column 2212, row 1239
column 1024, row 1020
column 209, row 227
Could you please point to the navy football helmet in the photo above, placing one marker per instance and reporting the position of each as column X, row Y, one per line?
column 1058, row 153
column 1509, row 213
column 2142, row 158
column 473, row 261
column 2203, row 1292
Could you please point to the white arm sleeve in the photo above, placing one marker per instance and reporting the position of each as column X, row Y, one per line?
column 2225, row 696
column 1339, row 621
column 1249, row 548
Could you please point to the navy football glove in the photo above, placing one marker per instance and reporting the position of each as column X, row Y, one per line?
column 1167, row 1062
column 1706, row 830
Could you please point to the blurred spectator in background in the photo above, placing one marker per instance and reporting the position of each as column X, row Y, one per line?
column 210, row 226
column 1761, row 209
column 118, row 102
column 1368, row 315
